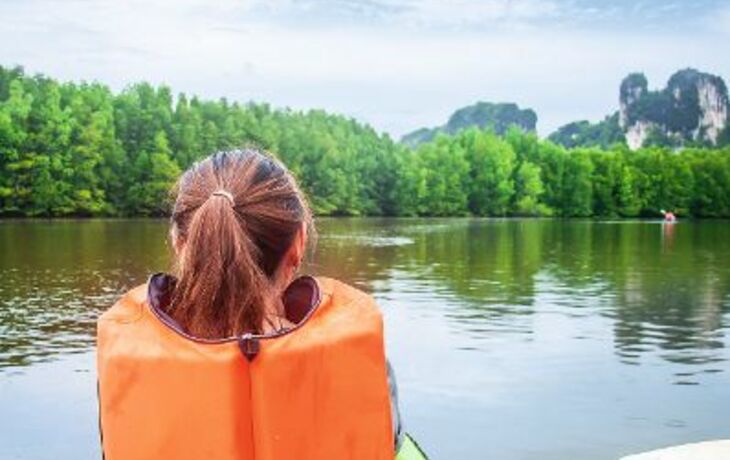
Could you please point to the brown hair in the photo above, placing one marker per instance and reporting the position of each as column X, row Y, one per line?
column 235, row 216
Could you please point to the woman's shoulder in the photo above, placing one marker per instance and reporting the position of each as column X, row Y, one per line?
column 128, row 307
column 342, row 291
column 343, row 297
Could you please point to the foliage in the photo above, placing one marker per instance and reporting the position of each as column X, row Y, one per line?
column 585, row 134
column 71, row 149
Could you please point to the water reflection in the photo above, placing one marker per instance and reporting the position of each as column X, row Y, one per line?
column 664, row 290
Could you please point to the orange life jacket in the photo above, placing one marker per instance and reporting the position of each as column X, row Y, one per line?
column 319, row 391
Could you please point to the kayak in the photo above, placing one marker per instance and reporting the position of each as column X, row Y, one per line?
column 409, row 450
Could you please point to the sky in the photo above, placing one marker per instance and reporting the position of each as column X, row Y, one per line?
column 397, row 65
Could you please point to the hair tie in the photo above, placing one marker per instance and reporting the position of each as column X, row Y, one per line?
column 225, row 194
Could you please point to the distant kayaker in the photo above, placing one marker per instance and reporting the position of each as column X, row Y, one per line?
column 233, row 356
column 669, row 216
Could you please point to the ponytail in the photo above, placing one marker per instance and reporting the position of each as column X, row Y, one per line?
column 236, row 214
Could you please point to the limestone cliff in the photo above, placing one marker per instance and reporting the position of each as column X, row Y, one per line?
column 693, row 108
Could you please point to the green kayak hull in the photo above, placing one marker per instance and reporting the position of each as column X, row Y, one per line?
column 409, row 450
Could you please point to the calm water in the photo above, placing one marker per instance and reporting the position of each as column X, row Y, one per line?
column 515, row 339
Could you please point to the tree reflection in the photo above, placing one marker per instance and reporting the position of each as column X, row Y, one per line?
column 57, row 277
column 664, row 290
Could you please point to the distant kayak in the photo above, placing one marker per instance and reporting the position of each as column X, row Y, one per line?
column 669, row 216
column 708, row 450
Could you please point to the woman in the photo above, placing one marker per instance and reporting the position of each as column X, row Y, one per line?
column 234, row 357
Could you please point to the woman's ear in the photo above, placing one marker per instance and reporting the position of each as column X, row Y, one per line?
column 300, row 245
column 293, row 256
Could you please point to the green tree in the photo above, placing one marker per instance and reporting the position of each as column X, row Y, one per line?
column 17, row 165
column 157, row 173
column 529, row 189
column 491, row 162
column 445, row 175
column 628, row 200
column 577, row 186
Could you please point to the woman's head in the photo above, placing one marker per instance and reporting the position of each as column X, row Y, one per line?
column 239, row 229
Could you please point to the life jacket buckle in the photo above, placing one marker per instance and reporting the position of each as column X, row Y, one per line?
column 249, row 346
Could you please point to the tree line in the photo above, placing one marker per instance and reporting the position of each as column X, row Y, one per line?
column 78, row 149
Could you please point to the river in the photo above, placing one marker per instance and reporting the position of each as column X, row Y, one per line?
column 511, row 339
